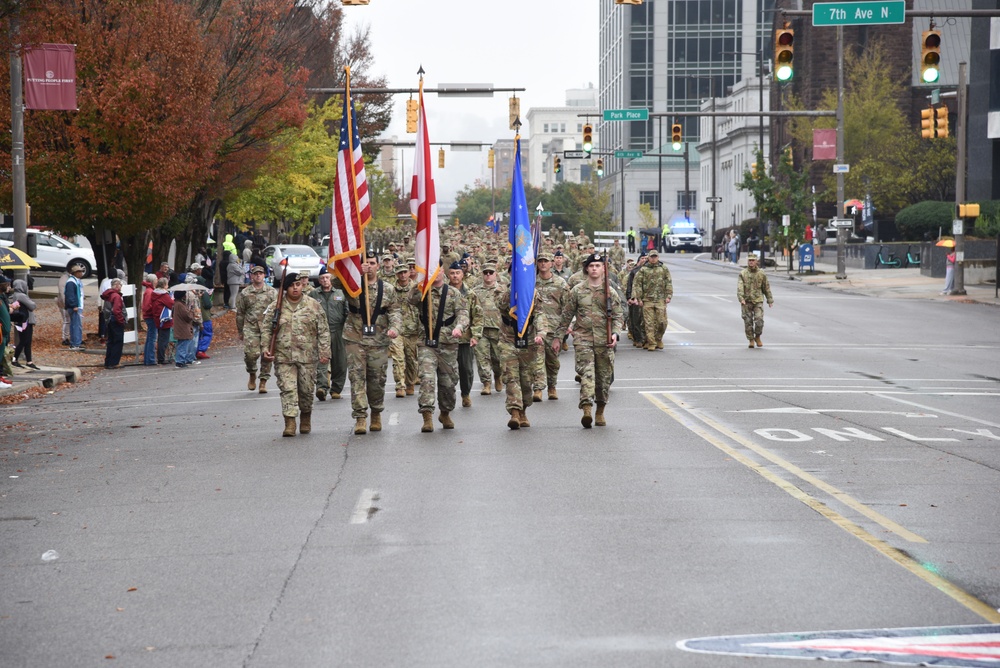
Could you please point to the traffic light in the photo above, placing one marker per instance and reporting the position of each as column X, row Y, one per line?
column 941, row 121
column 514, row 105
column 556, row 165
column 411, row 116
column 440, row 158
column 588, row 138
column 784, row 53
column 930, row 56
column 489, row 159
column 753, row 169
column 600, row 167
column 675, row 136
column 968, row 211
column 348, row 3
column 628, row 2
column 927, row 123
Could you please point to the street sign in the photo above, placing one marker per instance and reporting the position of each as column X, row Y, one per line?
column 543, row 214
column 626, row 114
column 574, row 155
column 628, row 154
column 859, row 13
column 841, row 169
column 841, row 222
column 713, row 199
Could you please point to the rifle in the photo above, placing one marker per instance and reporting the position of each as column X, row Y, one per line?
column 275, row 324
column 609, row 312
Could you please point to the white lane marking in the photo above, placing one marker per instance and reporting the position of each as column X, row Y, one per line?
column 365, row 507
column 654, row 389
column 795, row 410
column 393, row 418
column 938, row 410
column 731, row 380
column 674, row 328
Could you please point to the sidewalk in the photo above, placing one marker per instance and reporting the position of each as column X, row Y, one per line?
column 46, row 377
column 895, row 283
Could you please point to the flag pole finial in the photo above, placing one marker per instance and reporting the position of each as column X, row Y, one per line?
column 517, row 124
column 421, row 71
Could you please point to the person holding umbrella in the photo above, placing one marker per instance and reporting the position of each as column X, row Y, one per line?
column 949, row 270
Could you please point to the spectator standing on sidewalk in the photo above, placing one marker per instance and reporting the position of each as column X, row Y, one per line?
column 74, row 305
column 160, row 300
column 149, row 351
column 61, row 303
column 949, row 272
column 183, row 328
column 115, row 325
column 5, row 327
column 24, row 335
column 234, row 279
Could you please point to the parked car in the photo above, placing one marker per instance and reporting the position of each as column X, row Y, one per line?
column 53, row 252
column 301, row 259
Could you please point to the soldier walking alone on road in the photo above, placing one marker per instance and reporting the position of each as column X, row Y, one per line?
column 444, row 315
column 599, row 318
column 302, row 340
column 652, row 290
column 253, row 329
column 373, row 320
column 751, row 290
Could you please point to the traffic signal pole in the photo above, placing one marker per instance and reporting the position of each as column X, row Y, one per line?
column 958, row 226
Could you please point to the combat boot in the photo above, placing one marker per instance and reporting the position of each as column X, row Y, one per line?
column 428, row 423
column 400, row 393
column 522, row 418
column 587, row 419
column 650, row 346
column 445, row 420
column 305, row 422
column 659, row 345
column 409, row 390
column 498, row 385
column 321, row 394
column 466, row 401
column 263, row 387
column 252, row 383
column 289, row 426
column 553, row 395
column 536, row 396
column 514, row 422
column 751, row 343
column 376, row 423
column 599, row 415
column 486, row 389
column 335, row 395
column 360, row 426
column 757, row 341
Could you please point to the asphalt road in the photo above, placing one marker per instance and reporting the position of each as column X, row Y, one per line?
column 845, row 476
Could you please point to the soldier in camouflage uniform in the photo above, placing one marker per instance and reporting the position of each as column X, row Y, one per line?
column 330, row 378
column 652, row 289
column 403, row 348
column 616, row 254
column 752, row 289
column 549, row 291
column 254, row 331
column 368, row 353
column 437, row 351
column 595, row 355
column 519, row 356
column 486, row 330
column 303, row 340
column 466, row 358
column 387, row 270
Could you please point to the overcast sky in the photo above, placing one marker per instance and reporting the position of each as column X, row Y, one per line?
column 544, row 46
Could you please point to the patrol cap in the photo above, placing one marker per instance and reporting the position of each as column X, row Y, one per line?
column 402, row 269
column 543, row 255
column 592, row 258
column 258, row 270
column 753, row 255
column 489, row 266
column 411, row 261
column 653, row 253
column 387, row 257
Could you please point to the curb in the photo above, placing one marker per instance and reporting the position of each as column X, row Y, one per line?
column 46, row 378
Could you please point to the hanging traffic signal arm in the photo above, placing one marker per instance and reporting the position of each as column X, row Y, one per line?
column 784, row 54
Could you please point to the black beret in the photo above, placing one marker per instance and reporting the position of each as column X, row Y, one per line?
column 289, row 279
column 371, row 254
column 592, row 258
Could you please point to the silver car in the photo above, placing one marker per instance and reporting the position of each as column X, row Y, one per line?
column 302, row 259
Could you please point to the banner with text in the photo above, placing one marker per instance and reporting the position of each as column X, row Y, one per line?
column 50, row 77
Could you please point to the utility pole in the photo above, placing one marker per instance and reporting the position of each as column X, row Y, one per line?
column 958, row 226
column 841, row 231
column 17, row 137
column 623, row 197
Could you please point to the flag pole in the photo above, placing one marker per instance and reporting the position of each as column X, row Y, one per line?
column 364, row 274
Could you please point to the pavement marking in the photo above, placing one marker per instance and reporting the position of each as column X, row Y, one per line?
column 957, row 594
column 836, row 493
column 938, row 410
column 674, row 328
column 365, row 507
column 393, row 418
column 796, row 410
column 809, row 390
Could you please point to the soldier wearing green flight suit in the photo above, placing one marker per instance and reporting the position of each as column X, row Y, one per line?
column 594, row 352
column 330, row 378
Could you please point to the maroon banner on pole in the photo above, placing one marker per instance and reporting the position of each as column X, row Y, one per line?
column 50, row 76
column 824, row 144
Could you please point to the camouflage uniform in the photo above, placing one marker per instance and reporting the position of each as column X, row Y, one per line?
column 616, row 254
column 653, row 287
column 486, row 331
column 404, row 357
column 367, row 356
column 254, row 327
column 303, row 336
column 752, row 287
column 331, row 377
column 548, row 301
column 595, row 360
column 519, row 364
column 438, row 367
column 466, row 358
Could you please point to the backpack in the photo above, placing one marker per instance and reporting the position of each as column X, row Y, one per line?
column 166, row 318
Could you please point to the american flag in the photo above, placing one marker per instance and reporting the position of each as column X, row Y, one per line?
column 351, row 205
column 423, row 206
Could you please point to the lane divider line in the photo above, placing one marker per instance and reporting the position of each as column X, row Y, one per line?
column 957, row 594
column 365, row 507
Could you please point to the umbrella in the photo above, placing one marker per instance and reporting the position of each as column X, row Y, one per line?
column 947, row 243
column 183, row 287
column 12, row 258
column 854, row 202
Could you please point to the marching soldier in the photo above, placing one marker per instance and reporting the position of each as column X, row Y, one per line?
column 652, row 290
column 599, row 318
column 444, row 315
column 403, row 348
column 302, row 341
column 373, row 320
column 549, row 291
column 752, row 289
column 519, row 356
column 636, row 328
column 617, row 255
column 330, row 378
column 253, row 329
column 466, row 358
column 486, row 330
